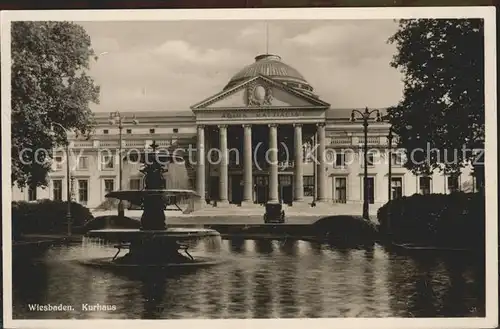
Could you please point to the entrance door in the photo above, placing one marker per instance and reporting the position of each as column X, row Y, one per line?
column 213, row 188
column 236, row 189
column 285, row 189
column 287, row 194
column 261, row 189
column 340, row 189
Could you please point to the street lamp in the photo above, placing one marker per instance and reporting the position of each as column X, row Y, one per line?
column 389, row 141
column 116, row 118
column 365, row 116
column 68, row 184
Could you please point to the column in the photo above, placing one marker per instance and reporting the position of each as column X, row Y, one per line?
column 299, row 171
column 223, row 172
column 247, row 164
column 321, row 165
column 273, row 165
column 200, row 162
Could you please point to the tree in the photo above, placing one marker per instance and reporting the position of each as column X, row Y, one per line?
column 49, row 84
column 442, row 109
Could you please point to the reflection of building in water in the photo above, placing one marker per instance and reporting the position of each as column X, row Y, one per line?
column 268, row 109
column 237, row 245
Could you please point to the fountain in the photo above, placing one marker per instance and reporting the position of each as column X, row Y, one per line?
column 154, row 244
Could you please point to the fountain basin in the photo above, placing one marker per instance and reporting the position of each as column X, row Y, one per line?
column 167, row 269
column 162, row 249
column 130, row 235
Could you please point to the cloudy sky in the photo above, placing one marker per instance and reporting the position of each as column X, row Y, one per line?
column 173, row 65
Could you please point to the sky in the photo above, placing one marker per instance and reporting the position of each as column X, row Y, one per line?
column 172, row 65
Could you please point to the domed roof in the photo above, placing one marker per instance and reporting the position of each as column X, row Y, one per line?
column 271, row 66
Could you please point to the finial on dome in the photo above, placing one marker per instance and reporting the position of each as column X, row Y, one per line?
column 268, row 57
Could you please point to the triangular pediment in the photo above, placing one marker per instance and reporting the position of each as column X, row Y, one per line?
column 260, row 92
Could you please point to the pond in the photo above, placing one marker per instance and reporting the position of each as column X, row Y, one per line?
column 260, row 279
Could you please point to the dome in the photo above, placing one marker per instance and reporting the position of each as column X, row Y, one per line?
column 271, row 66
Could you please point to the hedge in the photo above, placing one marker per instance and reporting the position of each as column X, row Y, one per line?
column 452, row 220
column 345, row 230
column 46, row 217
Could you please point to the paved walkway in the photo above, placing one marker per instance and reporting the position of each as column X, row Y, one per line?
column 232, row 214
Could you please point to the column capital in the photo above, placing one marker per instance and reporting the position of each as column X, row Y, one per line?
column 297, row 125
column 320, row 124
column 272, row 125
column 200, row 126
column 222, row 126
column 247, row 125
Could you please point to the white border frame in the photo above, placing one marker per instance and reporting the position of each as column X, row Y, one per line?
column 488, row 13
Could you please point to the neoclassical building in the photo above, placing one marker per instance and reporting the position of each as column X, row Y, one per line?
column 259, row 139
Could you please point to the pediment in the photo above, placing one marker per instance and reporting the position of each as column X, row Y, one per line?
column 260, row 92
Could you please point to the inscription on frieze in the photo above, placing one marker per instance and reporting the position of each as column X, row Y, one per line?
column 261, row 114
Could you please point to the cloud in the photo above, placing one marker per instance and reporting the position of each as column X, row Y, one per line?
column 182, row 50
column 102, row 44
column 346, row 62
column 250, row 32
column 349, row 42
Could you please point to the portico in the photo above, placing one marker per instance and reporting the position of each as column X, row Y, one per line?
column 251, row 137
column 256, row 163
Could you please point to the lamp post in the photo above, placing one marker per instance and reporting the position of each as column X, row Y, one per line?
column 68, row 178
column 389, row 175
column 365, row 116
column 116, row 118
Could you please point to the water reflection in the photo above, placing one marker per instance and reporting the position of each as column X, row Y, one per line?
column 261, row 279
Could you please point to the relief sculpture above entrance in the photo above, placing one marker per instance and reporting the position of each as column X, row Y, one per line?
column 259, row 94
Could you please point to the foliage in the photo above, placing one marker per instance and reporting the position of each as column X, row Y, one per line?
column 442, row 61
column 346, row 230
column 456, row 219
column 46, row 216
column 49, row 85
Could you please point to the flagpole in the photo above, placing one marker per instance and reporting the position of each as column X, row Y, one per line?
column 267, row 38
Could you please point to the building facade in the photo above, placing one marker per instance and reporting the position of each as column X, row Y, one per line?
column 265, row 137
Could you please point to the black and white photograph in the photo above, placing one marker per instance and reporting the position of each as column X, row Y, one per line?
column 337, row 165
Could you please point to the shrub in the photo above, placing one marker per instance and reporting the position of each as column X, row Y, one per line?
column 456, row 219
column 351, row 230
column 46, row 216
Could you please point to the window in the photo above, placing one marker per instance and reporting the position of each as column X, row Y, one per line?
column 83, row 163
column 307, row 154
column 108, row 161
column 453, row 185
column 396, row 187
column 57, row 189
column 308, row 185
column 129, row 131
column 109, row 185
column 83, row 191
column 135, row 184
column 339, row 159
column 58, row 163
column 396, row 159
column 369, row 159
column 105, row 131
column 340, row 189
column 151, row 131
column 425, row 185
column 176, row 130
column 285, row 180
column 32, row 194
column 370, row 185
